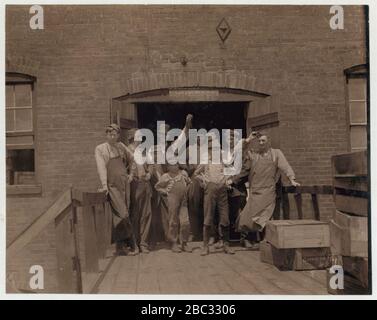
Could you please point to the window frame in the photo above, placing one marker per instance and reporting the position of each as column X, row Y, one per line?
column 16, row 78
column 356, row 72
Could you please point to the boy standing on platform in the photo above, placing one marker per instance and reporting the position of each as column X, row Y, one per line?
column 173, row 187
column 215, row 195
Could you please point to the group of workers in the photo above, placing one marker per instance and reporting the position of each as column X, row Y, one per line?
column 188, row 202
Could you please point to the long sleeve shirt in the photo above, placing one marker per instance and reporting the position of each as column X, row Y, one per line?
column 104, row 152
column 277, row 158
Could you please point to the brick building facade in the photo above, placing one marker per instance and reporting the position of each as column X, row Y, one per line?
column 85, row 58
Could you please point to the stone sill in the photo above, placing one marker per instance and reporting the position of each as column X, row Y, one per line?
column 24, row 189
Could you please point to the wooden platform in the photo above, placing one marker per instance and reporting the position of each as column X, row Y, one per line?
column 164, row 272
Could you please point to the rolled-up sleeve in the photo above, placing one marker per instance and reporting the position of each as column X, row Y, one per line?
column 101, row 166
column 283, row 165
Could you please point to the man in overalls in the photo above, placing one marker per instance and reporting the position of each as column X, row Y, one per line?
column 113, row 160
column 263, row 170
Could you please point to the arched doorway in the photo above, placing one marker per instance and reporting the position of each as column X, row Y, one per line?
column 212, row 107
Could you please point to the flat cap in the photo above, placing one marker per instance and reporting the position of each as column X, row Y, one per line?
column 112, row 127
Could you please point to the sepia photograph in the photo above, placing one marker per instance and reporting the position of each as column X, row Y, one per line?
column 191, row 149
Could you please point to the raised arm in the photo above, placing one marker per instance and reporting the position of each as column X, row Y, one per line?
column 185, row 131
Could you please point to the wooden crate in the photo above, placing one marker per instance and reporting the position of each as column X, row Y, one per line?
column 353, row 205
column 358, row 268
column 295, row 259
column 346, row 242
column 265, row 251
column 352, row 163
column 351, row 182
column 355, row 225
column 288, row 234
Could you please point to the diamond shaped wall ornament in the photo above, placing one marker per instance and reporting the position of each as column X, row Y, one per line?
column 223, row 30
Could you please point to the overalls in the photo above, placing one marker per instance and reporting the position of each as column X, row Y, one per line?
column 178, row 220
column 117, row 181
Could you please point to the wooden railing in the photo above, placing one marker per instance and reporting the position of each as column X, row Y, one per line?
column 95, row 215
column 282, row 199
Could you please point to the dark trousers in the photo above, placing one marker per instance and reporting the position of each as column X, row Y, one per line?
column 216, row 196
column 141, row 211
column 177, row 218
column 236, row 204
column 195, row 209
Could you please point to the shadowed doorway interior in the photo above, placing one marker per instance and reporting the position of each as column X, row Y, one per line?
column 207, row 115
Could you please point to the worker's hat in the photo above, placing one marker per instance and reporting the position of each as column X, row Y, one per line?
column 113, row 127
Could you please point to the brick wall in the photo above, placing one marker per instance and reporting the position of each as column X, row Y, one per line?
column 87, row 55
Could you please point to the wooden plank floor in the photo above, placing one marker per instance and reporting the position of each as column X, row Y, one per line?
column 165, row 272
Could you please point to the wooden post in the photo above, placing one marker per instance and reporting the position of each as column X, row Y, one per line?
column 90, row 240
column 315, row 206
column 109, row 223
column 65, row 251
column 298, row 200
column 286, row 208
column 77, row 251
column 101, row 226
column 279, row 191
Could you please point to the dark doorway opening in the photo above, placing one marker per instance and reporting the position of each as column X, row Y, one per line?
column 207, row 115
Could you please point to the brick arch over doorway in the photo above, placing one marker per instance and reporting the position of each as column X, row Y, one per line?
column 263, row 104
column 221, row 79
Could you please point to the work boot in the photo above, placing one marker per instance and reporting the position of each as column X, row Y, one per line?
column 186, row 247
column 175, row 248
column 228, row 249
column 205, row 249
column 245, row 242
column 219, row 244
column 134, row 251
column 144, row 249
column 121, row 249
column 225, row 234
column 134, row 248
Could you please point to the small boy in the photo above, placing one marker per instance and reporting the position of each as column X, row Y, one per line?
column 173, row 186
column 215, row 195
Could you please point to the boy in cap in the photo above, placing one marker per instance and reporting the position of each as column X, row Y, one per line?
column 113, row 161
column 141, row 195
column 215, row 195
column 172, row 185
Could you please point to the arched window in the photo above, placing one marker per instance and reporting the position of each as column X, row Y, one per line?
column 20, row 129
column 357, row 99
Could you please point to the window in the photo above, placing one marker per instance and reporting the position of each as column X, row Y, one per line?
column 20, row 155
column 357, row 81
